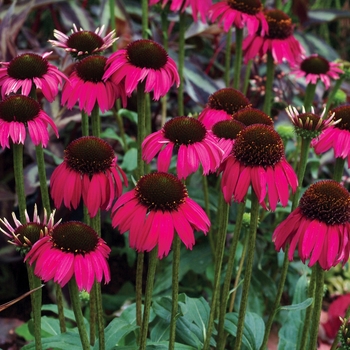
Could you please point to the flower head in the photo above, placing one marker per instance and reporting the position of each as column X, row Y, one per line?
column 199, row 7
column 82, row 43
column 88, row 87
column 27, row 71
column 315, row 68
column 320, row 226
column 239, row 13
column 195, row 144
column 18, row 113
column 25, row 235
column 221, row 105
column 72, row 249
column 336, row 136
column 143, row 61
column 226, row 132
column 279, row 41
column 154, row 210
column 258, row 159
column 249, row 116
column 310, row 125
column 89, row 171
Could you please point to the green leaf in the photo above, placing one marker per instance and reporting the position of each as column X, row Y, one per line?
column 69, row 314
column 132, row 116
column 160, row 330
column 130, row 160
column 300, row 306
column 109, row 133
column 50, row 325
column 253, row 332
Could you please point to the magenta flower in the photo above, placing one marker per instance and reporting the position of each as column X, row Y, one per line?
column 87, row 87
column 221, row 105
column 82, row 43
column 25, row 235
column 239, row 13
column 154, row 210
column 73, row 249
column 199, row 7
column 315, row 68
column 258, row 159
column 89, row 172
column 320, row 226
column 143, row 61
column 250, row 116
column 195, row 144
column 19, row 113
column 279, row 41
column 336, row 137
column 27, row 71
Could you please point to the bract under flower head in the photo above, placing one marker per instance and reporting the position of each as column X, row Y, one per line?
column 143, row 61
column 82, row 43
column 258, row 159
column 221, row 105
column 199, row 7
column 337, row 136
column 27, row 71
column 88, row 87
column 309, row 125
column 194, row 143
column 19, row 113
column 239, row 13
column 89, row 172
column 157, row 208
column 73, row 249
column 25, row 235
column 279, row 41
column 320, row 226
column 316, row 67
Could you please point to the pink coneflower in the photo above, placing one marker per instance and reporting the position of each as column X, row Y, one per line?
column 143, row 61
column 310, row 125
column 316, row 67
column 239, row 13
column 72, row 249
column 221, row 105
column 194, row 143
column 25, row 235
column 18, row 113
column 200, row 7
column 258, row 159
column 251, row 116
column 82, row 43
column 88, row 87
column 336, row 136
column 27, row 71
column 156, row 208
column 89, row 172
column 320, row 226
column 279, row 41
column 225, row 133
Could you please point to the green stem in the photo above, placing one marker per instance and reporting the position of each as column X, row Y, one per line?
column 247, row 76
column 84, row 124
column 100, row 320
column 308, row 313
column 120, row 123
column 270, row 73
column 175, row 291
column 35, row 297
column 141, row 126
column 181, row 64
column 230, row 266
column 165, row 24
column 148, row 296
column 317, row 306
column 96, row 121
column 60, row 308
column 278, row 4
column 144, row 11
column 238, row 58
column 335, row 89
column 17, row 149
column 309, row 96
column 112, row 21
column 228, row 58
column 219, row 255
column 93, row 315
column 249, row 268
column 42, row 178
column 74, row 296
column 139, row 274
column 207, row 209
column 338, row 169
